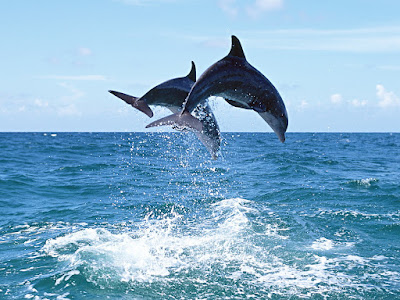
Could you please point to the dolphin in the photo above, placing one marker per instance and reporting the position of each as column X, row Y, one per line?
column 171, row 94
column 241, row 85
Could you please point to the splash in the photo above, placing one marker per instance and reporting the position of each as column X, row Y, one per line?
column 162, row 247
column 236, row 249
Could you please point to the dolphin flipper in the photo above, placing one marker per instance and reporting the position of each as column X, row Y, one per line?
column 135, row 102
column 180, row 120
column 237, row 104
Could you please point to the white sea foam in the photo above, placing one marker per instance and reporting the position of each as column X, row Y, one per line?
column 158, row 249
column 169, row 250
column 67, row 276
column 322, row 244
column 364, row 182
column 367, row 181
column 358, row 214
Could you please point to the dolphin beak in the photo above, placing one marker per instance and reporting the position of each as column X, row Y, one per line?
column 281, row 128
column 278, row 124
column 281, row 137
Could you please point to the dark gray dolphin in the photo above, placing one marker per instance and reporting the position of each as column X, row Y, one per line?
column 172, row 94
column 241, row 85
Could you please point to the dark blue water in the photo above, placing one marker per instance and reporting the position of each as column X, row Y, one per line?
column 150, row 216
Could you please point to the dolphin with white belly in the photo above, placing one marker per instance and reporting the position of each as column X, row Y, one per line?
column 241, row 85
column 172, row 94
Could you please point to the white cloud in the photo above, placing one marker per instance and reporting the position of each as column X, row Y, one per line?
column 75, row 94
column 22, row 103
column 254, row 9
column 389, row 68
column 144, row 2
column 41, row 103
column 269, row 4
column 228, row 6
column 358, row 103
column 303, row 105
column 69, row 110
column 386, row 99
column 336, row 99
column 65, row 103
column 67, row 106
column 84, row 51
column 78, row 77
column 356, row 40
column 261, row 6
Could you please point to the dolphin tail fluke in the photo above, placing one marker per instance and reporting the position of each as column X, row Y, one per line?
column 179, row 120
column 135, row 102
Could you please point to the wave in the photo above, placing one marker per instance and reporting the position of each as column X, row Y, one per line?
column 359, row 215
column 236, row 250
column 366, row 182
column 325, row 244
column 158, row 249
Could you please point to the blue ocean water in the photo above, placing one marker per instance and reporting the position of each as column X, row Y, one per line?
column 150, row 216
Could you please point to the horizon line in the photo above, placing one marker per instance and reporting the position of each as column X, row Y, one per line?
column 162, row 132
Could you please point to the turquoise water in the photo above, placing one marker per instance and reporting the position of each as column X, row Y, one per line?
column 150, row 216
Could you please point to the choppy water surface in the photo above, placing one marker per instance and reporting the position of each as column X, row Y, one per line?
column 150, row 216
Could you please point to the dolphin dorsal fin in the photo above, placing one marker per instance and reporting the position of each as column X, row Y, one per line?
column 192, row 73
column 236, row 49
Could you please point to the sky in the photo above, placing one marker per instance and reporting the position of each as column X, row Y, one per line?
column 336, row 64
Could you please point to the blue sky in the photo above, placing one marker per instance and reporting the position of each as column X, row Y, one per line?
column 336, row 64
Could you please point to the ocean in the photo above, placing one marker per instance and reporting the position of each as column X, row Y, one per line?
column 151, row 216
